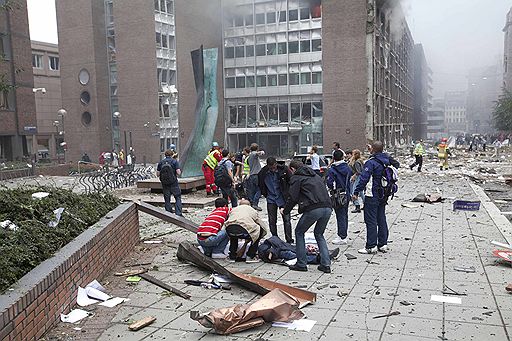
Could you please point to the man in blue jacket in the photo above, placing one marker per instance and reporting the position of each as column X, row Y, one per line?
column 375, row 201
column 338, row 177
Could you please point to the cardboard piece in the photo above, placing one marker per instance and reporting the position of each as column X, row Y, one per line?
column 276, row 306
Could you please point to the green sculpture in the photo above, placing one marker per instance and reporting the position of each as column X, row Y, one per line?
column 200, row 141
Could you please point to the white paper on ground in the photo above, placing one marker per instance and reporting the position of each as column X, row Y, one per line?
column 40, row 195
column 446, row 299
column 58, row 215
column 83, row 299
column 96, row 285
column 153, row 242
column 113, row 302
column 74, row 316
column 96, row 294
column 291, row 262
column 302, row 325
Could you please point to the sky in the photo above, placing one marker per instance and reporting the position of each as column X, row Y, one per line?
column 457, row 35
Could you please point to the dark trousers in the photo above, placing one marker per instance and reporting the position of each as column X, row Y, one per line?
column 236, row 232
column 375, row 219
column 175, row 191
column 342, row 221
column 229, row 192
column 272, row 222
column 253, row 190
column 418, row 162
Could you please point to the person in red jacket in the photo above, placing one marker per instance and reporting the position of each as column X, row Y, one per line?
column 210, row 235
column 210, row 162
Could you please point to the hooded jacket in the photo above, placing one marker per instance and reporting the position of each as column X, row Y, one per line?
column 372, row 174
column 308, row 190
column 339, row 175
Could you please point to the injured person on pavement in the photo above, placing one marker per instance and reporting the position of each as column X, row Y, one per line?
column 275, row 250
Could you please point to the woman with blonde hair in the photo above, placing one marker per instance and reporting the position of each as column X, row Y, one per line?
column 356, row 164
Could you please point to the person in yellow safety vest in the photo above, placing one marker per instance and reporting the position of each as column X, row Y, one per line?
column 210, row 162
column 443, row 151
column 419, row 151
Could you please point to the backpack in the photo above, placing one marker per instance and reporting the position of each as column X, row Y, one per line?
column 222, row 178
column 339, row 196
column 389, row 180
column 168, row 174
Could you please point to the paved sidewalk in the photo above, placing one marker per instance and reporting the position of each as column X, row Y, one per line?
column 426, row 244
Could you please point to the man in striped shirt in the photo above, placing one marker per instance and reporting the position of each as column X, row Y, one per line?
column 210, row 235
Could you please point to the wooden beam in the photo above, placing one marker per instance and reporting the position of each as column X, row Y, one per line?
column 166, row 216
column 165, row 286
column 146, row 321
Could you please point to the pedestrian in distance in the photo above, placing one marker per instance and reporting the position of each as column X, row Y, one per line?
column 210, row 235
column 357, row 165
column 224, row 178
column 210, row 162
column 338, row 182
column 309, row 191
column 253, row 188
column 244, row 223
column 168, row 171
column 335, row 146
column 274, row 183
column 419, row 151
column 315, row 160
column 443, row 152
column 376, row 175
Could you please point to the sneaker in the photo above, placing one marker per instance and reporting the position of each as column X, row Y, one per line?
column 339, row 241
column 383, row 248
column 252, row 260
column 366, row 251
column 257, row 208
column 297, row 268
column 334, row 253
column 326, row 269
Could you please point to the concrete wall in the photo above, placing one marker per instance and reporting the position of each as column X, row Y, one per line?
column 507, row 76
column 197, row 22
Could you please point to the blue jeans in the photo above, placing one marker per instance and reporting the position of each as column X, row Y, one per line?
column 229, row 192
column 175, row 191
column 320, row 216
column 375, row 219
column 342, row 221
column 214, row 244
column 360, row 198
column 253, row 190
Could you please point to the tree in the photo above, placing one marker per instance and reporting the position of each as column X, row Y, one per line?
column 502, row 114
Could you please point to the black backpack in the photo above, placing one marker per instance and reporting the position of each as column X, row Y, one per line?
column 389, row 180
column 222, row 178
column 168, row 174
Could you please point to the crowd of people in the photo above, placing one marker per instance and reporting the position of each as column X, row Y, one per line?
column 242, row 181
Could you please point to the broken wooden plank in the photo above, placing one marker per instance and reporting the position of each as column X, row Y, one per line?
column 146, row 321
column 128, row 272
column 189, row 253
column 167, row 216
column 165, row 286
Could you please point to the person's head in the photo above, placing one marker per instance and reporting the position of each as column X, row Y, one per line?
column 225, row 153
column 336, row 145
column 169, row 153
column 215, row 145
column 421, row 141
column 356, row 154
column 314, row 149
column 377, row 147
column 295, row 165
column 254, row 147
column 348, row 154
column 272, row 163
column 247, row 150
column 245, row 202
column 338, row 155
column 221, row 202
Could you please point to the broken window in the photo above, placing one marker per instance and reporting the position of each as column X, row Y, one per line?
column 4, row 100
column 304, row 13
column 273, row 115
column 158, row 39
column 232, row 116
column 250, row 82
column 283, row 113
column 239, row 21
column 282, row 16
column 272, row 80
column 316, row 45
column 251, row 116
column 230, row 82
column 242, row 116
column 305, row 46
column 306, row 112
column 271, row 49
column 295, row 112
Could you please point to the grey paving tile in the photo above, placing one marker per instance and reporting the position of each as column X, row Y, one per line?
column 171, row 335
column 338, row 333
column 472, row 315
column 283, row 334
column 474, row 331
column 413, row 327
column 121, row 332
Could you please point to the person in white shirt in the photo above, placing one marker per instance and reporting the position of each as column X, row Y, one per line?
column 315, row 160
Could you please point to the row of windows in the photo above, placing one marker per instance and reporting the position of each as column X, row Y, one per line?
column 53, row 62
column 165, row 6
column 165, row 41
column 275, row 17
column 272, row 49
column 303, row 78
column 274, row 114
column 165, row 76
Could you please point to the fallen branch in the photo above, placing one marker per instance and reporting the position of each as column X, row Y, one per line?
column 165, row 286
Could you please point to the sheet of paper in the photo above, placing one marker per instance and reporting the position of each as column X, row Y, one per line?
column 83, row 299
column 301, row 325
column 446, row 299
column 58, row 215
column 74, row 316
column 113, row 302
column 96, row 294
column 291, row 262
column 96, row 285
column 153, row 242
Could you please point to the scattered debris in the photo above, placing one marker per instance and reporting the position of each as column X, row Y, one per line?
column 93, row 293
column 464, row 205
column 168, row 217
column 58, row 214
column 488, row 313
column 342, row 293
column 406, row 303
column 165, row 286
column 509, row 287
column 449, row 291
column 300, row 325
column 470, row 269
column 74, row 316
column 133, row 279
column 371, row 262
column 349, row 256
column 428, row 198
column 393, row 313
column 146, row 321
column 503, row 245
column 446, row 299
column 406, row 205
column 503, row 254
column 9, row 225
column 210, row 284
column 276, row 306
column 128, row 272
column 114, row 302
column 322, row 286
column 153, row 241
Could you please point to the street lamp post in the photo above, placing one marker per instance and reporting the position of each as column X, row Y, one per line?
column 116, row 132
column 61, row 113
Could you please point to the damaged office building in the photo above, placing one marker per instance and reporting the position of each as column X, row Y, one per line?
column 304, row 72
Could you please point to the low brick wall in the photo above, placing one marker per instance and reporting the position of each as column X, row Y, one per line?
column 50, row 289
column 55, row 170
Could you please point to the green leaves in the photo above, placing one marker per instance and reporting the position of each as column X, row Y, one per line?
column 502, row 113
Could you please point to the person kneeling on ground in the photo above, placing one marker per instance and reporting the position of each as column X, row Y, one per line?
column 210, row 235
column 274, row 250
column 309, row 191
column 244, row 223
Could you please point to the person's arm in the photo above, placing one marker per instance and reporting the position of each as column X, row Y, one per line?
column 178, row 168
column 394, row 162
column 293, row 196
column 260, row 222
column 158, row 169
column 330, row 179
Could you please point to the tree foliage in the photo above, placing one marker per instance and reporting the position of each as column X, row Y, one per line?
column 502, row 114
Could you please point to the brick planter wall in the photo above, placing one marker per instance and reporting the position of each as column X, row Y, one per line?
column 34, row 306
column 56, row 170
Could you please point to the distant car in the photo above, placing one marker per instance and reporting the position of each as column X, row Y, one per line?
column 325, row 160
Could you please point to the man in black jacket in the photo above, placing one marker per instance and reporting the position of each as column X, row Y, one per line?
column 309, row 191
column 273, row 180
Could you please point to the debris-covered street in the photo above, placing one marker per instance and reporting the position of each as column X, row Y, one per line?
column 439, row 281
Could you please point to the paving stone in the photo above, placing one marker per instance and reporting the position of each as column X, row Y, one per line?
column 414, row 327
column 474, row 331
column 121, row 332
